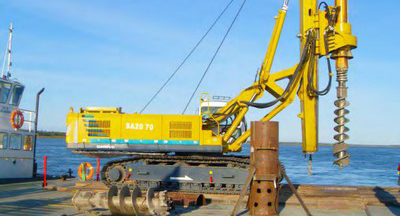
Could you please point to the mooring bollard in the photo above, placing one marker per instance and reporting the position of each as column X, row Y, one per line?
column 70, row 173
column 44, row 171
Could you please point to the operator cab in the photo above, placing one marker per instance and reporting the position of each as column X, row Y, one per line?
column 209, row 107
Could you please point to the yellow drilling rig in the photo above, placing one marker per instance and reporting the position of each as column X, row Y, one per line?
column 188, row 152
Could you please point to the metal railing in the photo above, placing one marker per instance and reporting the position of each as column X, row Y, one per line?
column 29, row 118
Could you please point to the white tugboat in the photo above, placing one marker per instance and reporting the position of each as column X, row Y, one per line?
column 18, row 126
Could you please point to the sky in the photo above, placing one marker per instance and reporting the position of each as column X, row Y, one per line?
column 118, row 53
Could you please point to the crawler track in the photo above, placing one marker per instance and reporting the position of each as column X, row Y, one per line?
column 238, row 164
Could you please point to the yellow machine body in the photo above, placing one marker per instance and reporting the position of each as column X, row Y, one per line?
column 105, row 128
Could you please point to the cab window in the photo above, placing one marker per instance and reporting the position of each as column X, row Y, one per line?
column 5, row 91
column 16, row 96
column 205, row 113
column 28, row 140
column 212, row 109
column 3, row 140
column 15, row 141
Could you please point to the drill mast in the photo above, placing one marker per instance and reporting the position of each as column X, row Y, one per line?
column 322, row 33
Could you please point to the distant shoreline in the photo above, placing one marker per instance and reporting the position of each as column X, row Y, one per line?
column 351, row 145
column 53, row 137
column 50, row 134
column 281, row 143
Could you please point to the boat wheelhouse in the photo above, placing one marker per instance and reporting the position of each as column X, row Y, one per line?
column 18, row 127
column 16, row 144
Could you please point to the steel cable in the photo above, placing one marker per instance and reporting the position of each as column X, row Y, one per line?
column 187, row 56
column 299, row 69
column 215, row 54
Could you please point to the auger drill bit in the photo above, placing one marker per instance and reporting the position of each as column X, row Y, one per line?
column 342, row 57
column 340, row 147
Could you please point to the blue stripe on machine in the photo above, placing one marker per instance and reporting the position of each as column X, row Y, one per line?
column 143, row 141
column 92, row 125
column 100, row 141
column 130, row 141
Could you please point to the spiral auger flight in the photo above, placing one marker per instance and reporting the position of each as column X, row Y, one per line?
column 340, row 147
column 342, row 56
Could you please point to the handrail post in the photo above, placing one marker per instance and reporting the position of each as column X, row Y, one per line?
column 45, row 171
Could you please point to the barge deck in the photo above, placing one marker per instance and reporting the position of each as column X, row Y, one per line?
column 29, row 198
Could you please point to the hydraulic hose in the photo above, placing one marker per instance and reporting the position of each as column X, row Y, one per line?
column 303, row 60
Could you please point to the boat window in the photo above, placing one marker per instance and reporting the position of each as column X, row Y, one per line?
column 3, row 140
column 5, row 91
column 28, row 143
column 15, row 141
column 16, row 96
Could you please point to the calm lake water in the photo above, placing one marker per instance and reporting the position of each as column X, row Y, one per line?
column 369, row 166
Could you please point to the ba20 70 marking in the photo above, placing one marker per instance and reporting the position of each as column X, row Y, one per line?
column 139, row 126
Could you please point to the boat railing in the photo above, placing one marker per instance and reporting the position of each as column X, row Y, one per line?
column 30, row 117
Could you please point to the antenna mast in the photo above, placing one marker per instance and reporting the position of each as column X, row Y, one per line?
column 7, row 54
column 9, row 64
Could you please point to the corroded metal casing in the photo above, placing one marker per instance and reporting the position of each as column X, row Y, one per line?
column 264, row 156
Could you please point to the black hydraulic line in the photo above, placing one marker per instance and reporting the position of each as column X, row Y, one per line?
column 187, row 57
column 215, row 54
column 322, row 3
column 211, row 121
column 311, row 91
column 310, row 88
column 303, row 59
column 230, row 112
column 328, row 13
column 226, row 125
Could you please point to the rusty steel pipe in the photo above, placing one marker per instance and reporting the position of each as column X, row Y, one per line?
column 264, row 157
column 187, row 199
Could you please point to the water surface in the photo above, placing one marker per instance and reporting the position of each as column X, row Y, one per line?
column 369, row 166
